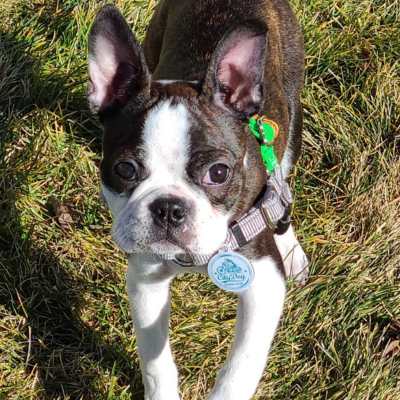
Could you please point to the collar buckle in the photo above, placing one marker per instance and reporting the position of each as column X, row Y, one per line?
column 184, row 260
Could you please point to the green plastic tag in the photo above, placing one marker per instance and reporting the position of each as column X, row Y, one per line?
column 254, row 128
column 269, row 157
column 265, row 132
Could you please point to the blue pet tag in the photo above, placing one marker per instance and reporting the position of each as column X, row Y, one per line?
column 231, row 271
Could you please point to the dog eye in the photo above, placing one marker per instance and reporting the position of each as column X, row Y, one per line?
column 127, row 170
column 218, row 174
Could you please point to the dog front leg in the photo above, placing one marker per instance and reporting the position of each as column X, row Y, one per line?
column 149, row 296
column 259, row 311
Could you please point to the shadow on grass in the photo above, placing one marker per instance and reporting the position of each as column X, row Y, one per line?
column 66, row 354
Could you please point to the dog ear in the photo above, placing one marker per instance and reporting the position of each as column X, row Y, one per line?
column 117, row 67
column 235, row 75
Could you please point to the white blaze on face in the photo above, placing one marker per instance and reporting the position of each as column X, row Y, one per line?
column 166, row 145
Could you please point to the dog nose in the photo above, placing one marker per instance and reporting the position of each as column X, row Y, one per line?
column 168, row 211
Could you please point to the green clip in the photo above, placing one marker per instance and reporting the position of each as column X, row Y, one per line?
column 265, row 131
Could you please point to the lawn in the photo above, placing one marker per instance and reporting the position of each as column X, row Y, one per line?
column 65, row 329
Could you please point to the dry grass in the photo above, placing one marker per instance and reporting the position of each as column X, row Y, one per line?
column 65, row 330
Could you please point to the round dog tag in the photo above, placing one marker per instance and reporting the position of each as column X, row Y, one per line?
column 231, row 271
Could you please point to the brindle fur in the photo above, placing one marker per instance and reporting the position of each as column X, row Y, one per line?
column 198, row 32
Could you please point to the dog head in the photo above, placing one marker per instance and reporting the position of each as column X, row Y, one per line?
column 178, row 162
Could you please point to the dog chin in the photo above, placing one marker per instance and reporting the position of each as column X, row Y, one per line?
column 165, row 247
column 161, row 247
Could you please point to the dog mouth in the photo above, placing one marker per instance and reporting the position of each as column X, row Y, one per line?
column 167, row 246
column 161, row 241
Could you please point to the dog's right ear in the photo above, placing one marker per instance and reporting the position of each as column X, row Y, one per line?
column 117, row 68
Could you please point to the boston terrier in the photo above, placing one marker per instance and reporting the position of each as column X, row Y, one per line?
column 185, row 177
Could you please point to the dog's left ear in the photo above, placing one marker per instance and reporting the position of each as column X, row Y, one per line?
column 235, row 75
column 117, row 68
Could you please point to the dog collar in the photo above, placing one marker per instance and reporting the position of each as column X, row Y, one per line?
column 267, row 212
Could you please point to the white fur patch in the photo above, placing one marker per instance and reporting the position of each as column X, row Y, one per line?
column 115, row 201
column 166, row 143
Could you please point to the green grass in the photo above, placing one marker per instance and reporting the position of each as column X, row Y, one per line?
column 65, row 329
